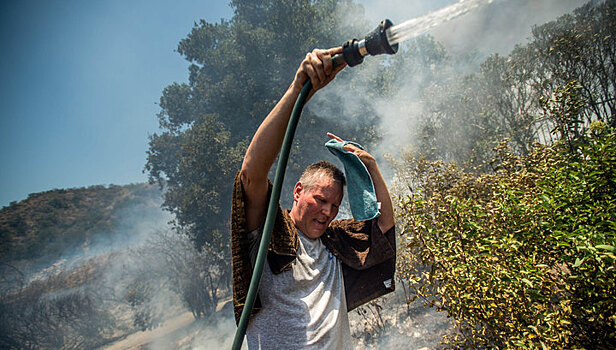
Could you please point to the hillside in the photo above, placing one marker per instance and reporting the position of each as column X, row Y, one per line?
column 49, row 224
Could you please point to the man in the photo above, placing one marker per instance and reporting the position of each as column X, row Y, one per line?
column 317, row 269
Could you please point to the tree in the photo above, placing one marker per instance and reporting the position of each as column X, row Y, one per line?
column 580, row 47
column 46, row 314
column 466, row 116
column 170, row 262
column 239, row 68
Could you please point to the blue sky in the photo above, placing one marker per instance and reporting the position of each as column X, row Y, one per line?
column 79, row 87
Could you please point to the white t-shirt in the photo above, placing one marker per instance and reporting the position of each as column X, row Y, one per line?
column 304, row 307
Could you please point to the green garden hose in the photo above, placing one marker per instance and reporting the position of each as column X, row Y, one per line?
column 271, row 215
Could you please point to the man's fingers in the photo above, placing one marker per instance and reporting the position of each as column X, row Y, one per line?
column 363, row 155
column 348, row 147
column 317, row 64
column 351, row 148
column 319, row 68
column 309, row 70
column 327, row 61
column 312, row 75
column 334, row 50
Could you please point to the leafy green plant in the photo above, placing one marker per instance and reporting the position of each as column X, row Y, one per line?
column 523, row 257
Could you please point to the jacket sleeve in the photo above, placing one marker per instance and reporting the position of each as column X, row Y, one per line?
column 281, row 251
column 368, row 259
column 360, row 244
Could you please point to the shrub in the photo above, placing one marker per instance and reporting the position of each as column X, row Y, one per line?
column 523, row 257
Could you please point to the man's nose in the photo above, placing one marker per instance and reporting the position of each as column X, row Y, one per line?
column 326, row 209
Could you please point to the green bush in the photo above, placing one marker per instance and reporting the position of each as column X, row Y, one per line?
column 523, row 257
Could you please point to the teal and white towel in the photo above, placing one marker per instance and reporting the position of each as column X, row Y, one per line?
column 360, row 188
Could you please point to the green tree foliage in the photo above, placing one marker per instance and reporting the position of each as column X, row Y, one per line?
column 523, row 257
column 466, row 116
column 239, row 68
column 563, row 111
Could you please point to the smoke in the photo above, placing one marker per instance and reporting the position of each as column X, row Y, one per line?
column 133, row 225
column 134, row 282
column 498, row 28
column 494, row 28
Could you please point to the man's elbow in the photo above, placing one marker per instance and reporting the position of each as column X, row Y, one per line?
column 246, row 176
column 251, row 181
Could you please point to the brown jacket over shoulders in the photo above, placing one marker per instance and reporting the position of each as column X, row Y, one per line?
column 368, row 256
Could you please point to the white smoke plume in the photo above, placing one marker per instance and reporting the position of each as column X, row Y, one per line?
column 494, row 28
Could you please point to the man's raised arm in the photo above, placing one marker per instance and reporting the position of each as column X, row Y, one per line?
column 386, row 219
column 267, row 141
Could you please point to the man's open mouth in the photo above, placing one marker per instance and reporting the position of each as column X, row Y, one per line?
column 321, row 222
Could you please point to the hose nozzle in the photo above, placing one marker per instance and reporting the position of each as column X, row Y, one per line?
column 375, row 43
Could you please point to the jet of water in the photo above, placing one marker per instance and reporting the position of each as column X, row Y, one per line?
column 417, row 26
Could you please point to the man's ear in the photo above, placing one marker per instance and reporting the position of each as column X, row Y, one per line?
column 297, row 191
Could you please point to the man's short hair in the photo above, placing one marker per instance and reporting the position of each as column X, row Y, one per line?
column 312, row 173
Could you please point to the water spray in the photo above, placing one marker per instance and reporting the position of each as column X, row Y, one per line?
column 420, row 25
column 383, row 39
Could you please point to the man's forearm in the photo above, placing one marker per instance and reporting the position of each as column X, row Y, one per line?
column 260, row 156
column 386, row 220
column 266, row 143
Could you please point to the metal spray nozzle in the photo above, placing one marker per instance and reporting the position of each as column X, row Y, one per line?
column 375, row 43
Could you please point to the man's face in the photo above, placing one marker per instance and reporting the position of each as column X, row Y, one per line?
column 314, row 208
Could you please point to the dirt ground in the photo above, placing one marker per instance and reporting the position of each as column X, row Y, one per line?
column 416, row 328
column 140, row 340
column 183, row 332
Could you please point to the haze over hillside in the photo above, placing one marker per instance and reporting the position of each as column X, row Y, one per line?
column 79, row 221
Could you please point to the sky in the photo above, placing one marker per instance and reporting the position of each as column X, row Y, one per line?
column 81, row 79
column 80, row 85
